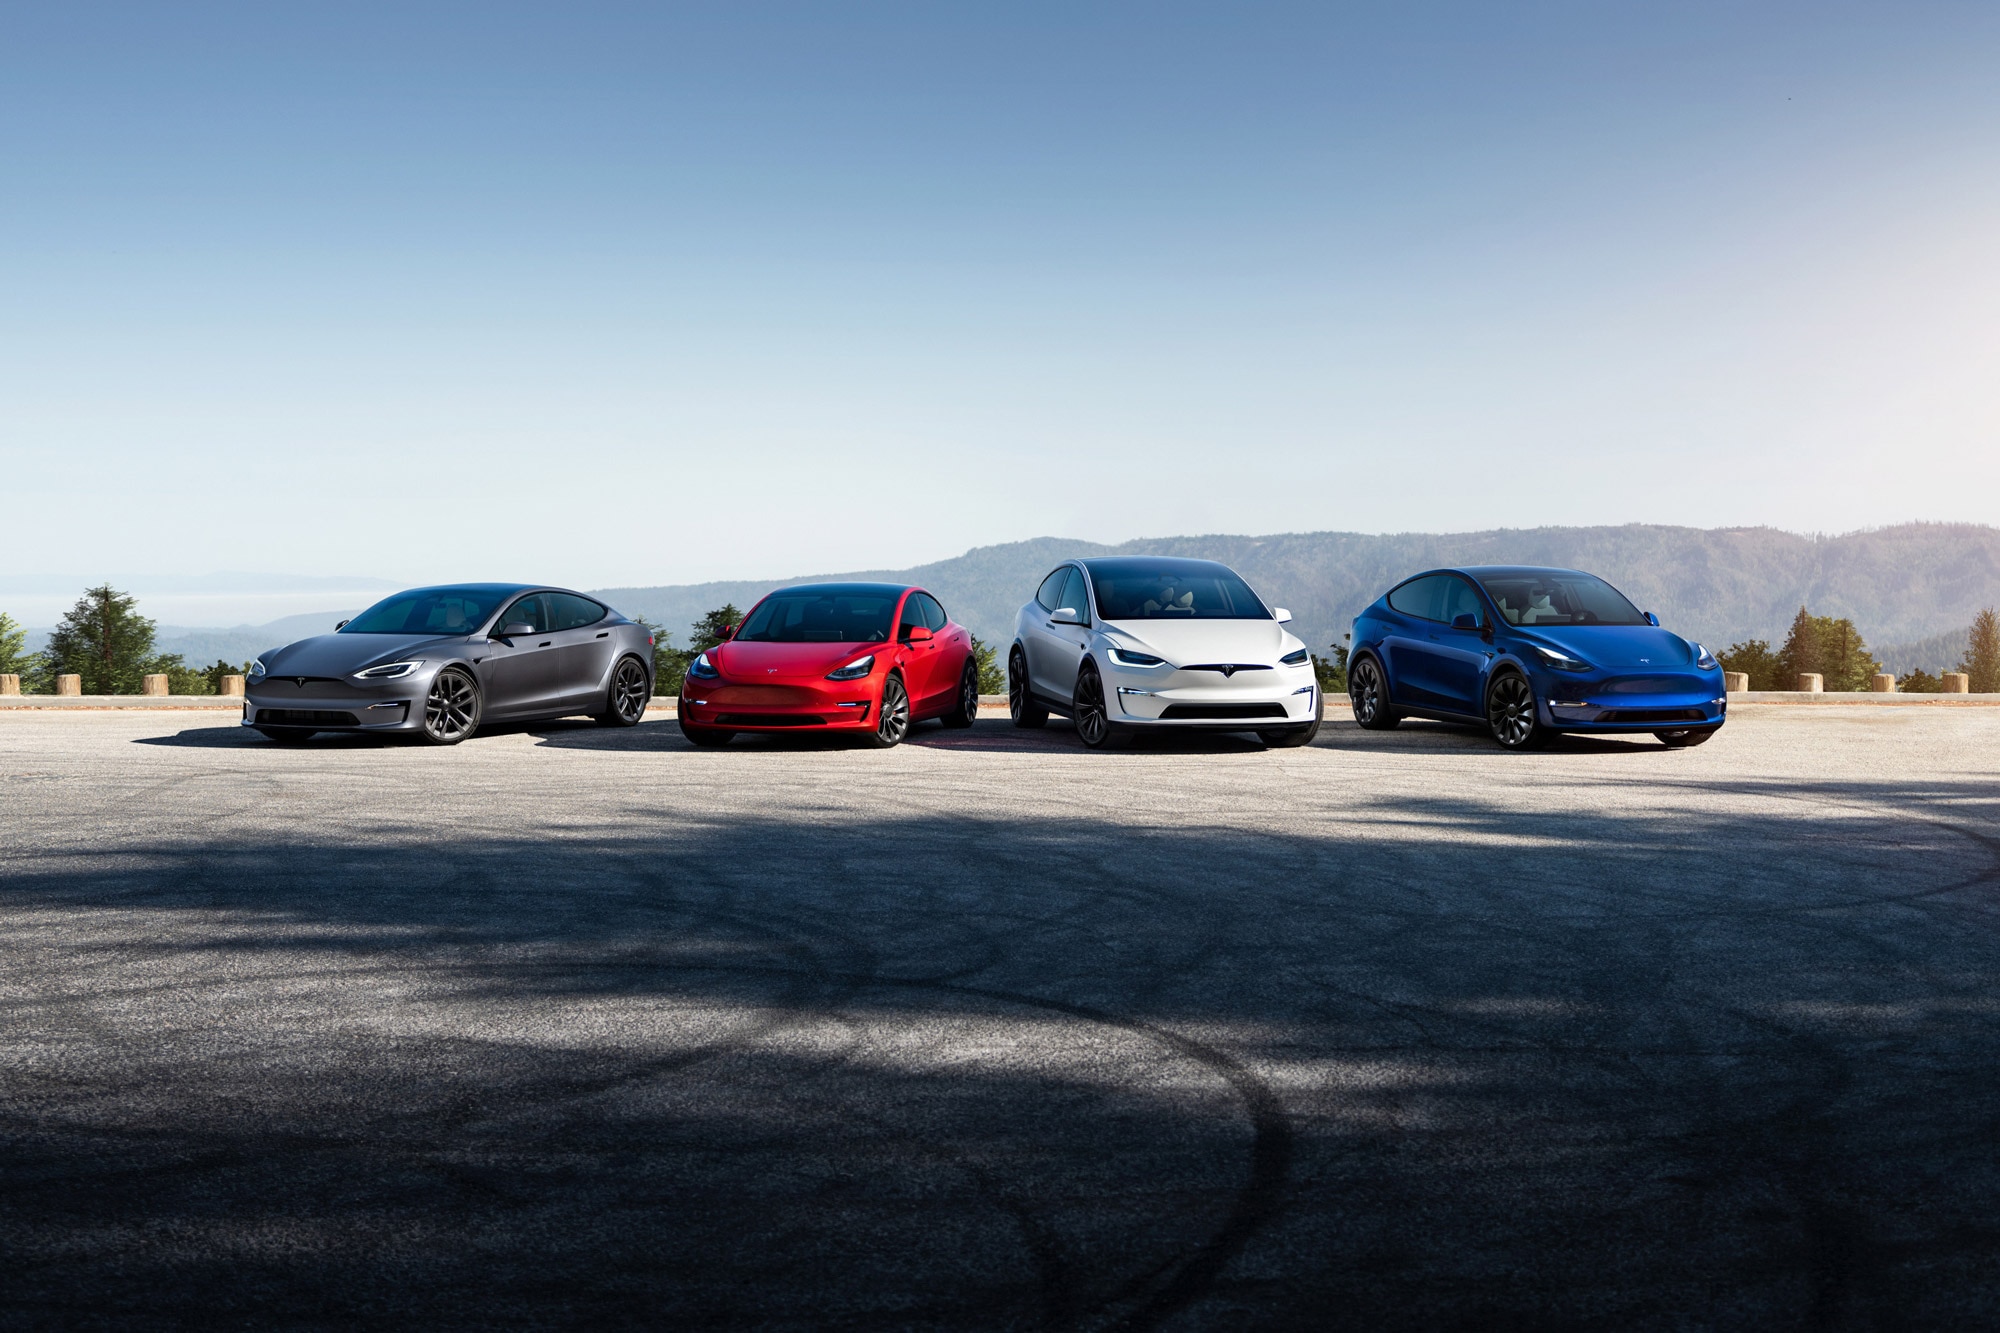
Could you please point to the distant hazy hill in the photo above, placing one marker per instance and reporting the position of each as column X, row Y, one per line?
column 199, row 647
column 1898, row 584
column 1938, row 653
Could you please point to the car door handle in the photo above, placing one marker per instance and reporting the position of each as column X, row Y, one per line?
column 544, row 643
column 605, row 635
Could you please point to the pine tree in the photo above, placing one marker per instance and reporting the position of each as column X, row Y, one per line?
column 15, row 659
column 1982, row 653
column 992, row 680
column 1754, row 658
column 1800, row 654
column 1831, row 647
column 107, row 642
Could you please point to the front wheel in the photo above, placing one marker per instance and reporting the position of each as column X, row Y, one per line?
column 892, row 720
column 625, row 704
column 966, row 711
column 1684, row 737
column 451, row 709
column 1368, row 691
column 1021, row 705
column 1510, row 712
column 1094, row 726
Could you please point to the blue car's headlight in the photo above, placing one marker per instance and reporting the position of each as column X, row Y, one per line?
column 854, row 670
column 1704, row 660
column 703, row 669
column 257, row 669
column 1557, row 658
column 1295, row 659
column 388, row 671
column 1126, row 657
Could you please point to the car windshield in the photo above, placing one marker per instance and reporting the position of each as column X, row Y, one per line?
column 1137, row 589
column 825, row 614
column 428, row 611
column 1559, row 599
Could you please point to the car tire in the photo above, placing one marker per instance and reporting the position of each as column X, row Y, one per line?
column 1282, row 738
column 892, row 715
column 1510, row 713
column 451, row 708
column 965, row 711
column 1021, row 705
column 1368, row 691
column 283, row 737
column 626, row 699
column 1089, row 711
column 1686, row 736
column 706, row 737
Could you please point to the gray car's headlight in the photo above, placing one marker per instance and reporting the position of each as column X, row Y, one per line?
column 1127, row 657
column 257, row 670
column 388, row 671
column 854, row 670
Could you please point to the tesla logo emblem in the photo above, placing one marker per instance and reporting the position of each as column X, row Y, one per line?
column 1646, row 661
column 301, row 680
column 1228, row 671
column 770, row 671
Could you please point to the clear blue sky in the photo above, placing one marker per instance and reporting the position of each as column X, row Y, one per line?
column 633, row 293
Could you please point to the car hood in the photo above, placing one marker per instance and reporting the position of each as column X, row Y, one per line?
column 342, row 654
column 1618, row 645
column 1183, row 642
column 787, row 661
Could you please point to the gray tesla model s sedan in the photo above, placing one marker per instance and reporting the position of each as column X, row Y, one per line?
column 437, row 662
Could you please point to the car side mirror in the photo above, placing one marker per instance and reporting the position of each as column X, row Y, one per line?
column 728, row 633
column 341, row 626
column 1652, row 619
column 916, row 634
column 1281, row 615
column 1465, row 621
column 1065, row 615
column 515, row 629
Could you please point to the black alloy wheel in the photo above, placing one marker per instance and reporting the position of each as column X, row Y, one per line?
column 1369, row 693
column 1027, row 714
column 630, row 692
column 966, row 711
column 892, row 722
column 1683, row 737
column 451, row 709
column 1510, row 712
column 1093, row 722
column 283, row 736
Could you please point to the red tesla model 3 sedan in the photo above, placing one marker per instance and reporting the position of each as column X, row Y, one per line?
column 867, row 659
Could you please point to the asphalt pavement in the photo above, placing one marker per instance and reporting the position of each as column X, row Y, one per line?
column 575, row 1027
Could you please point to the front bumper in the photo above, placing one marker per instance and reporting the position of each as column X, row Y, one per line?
column 1647, row 703
column 1274, row 698
column 329, row 705
column 793, row 705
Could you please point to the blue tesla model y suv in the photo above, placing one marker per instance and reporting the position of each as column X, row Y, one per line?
column 1531, row 653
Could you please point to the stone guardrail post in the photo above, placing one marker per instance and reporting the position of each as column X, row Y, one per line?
column 1957, row 682
column 10, row 683
column 232, row 685
column 1735, row 682
column 69, row 684
column 1811, row 682
column 154, row 685
column 1883, row 683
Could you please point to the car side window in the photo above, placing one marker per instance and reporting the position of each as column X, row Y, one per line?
column 913, row 616
column 1050, row 593
column 1075, row 596
column 532, row 610
column 934, row 615
column 1461, row 600
column 1419, row 597
column 568, row 611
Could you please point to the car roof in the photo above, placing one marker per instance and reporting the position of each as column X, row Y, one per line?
column 1113, row 564
column 845, row 585
column 1503, row 571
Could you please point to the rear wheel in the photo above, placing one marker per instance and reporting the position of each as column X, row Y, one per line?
column 1094, row 726
column 1368, row 691
column 1280, row 738
column 966, row 711
column 1510, row 712
column 892, row 722
column 451, row 709
column 1686, row 736
column 625, row 702
column 1021, row 704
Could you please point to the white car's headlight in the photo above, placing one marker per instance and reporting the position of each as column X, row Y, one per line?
column 257, row 669
column 1128, row 657
column 388, row 671
column 1299, row 658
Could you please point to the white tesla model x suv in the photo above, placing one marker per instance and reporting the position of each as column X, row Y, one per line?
column 1138, row 643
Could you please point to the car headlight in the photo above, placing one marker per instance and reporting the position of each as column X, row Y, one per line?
column 388, row 671
column 1295, row 659
column 702, row 669
column 854, row 670
column 1129, row 658
column 1704, row 660
column 257, row 669
column 1558, row 659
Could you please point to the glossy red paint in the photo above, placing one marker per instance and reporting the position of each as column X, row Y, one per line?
column 783, row 686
